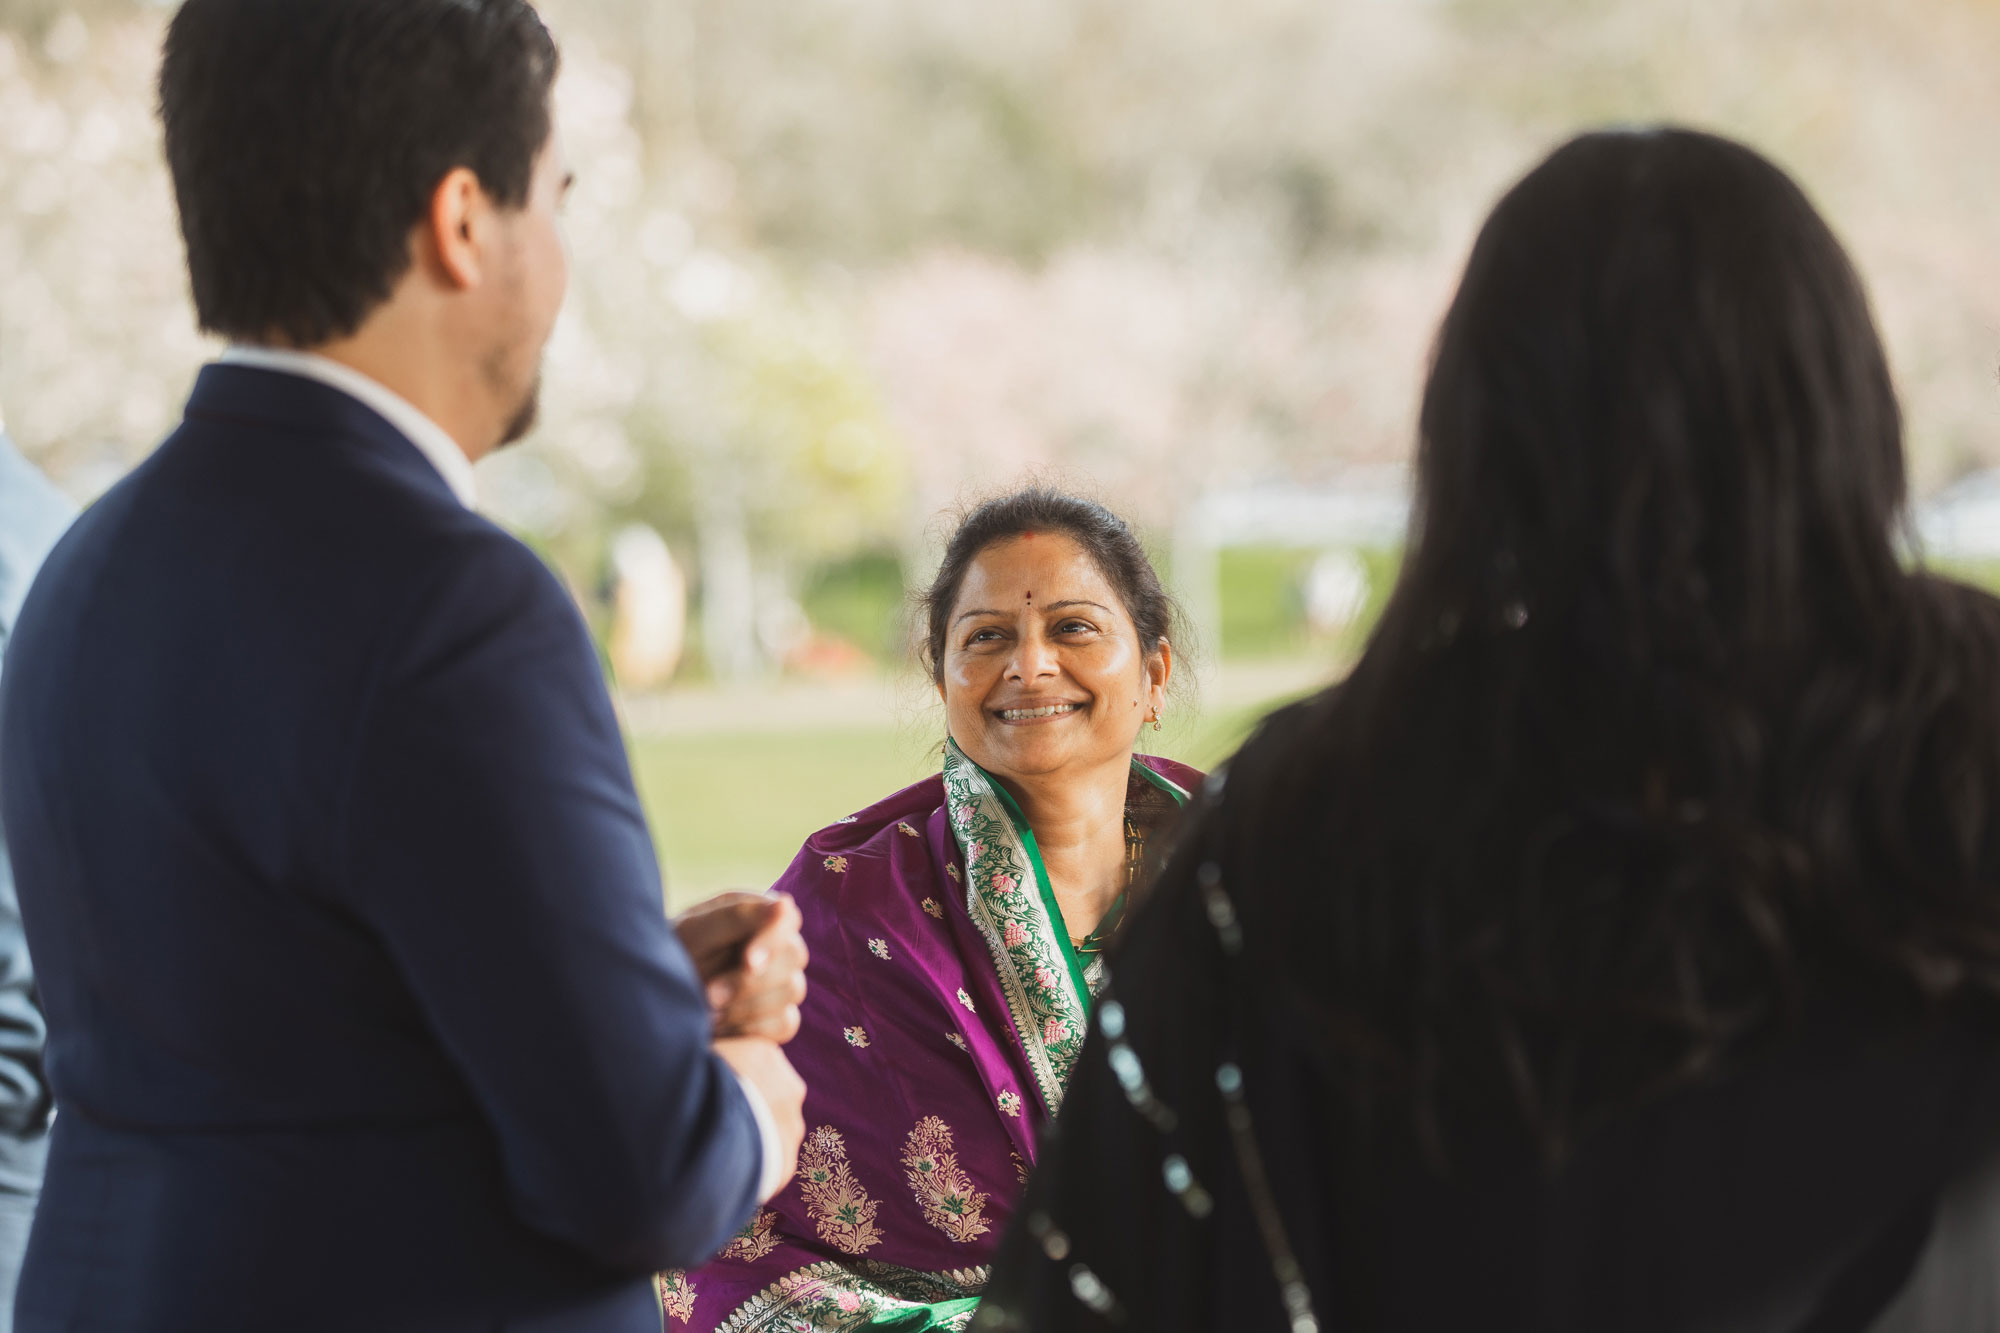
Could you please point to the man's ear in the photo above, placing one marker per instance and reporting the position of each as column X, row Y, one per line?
column 455, row 227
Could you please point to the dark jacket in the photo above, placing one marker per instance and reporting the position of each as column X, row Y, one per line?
column 1841, row 1177
column 364, row 1010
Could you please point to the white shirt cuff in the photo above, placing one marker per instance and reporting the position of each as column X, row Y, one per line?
column 772, row 1178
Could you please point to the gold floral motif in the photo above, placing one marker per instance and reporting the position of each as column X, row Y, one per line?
column 957, row 1041
column 905, row 828
column 754, row 1241
column 931, row 906
column 880, row 948
column 953, row 872
column 966, row 1000
column 1010, row 1102
column 677, row 1295
column 838, row 1206
column 1020, row 1167
column 857, row 1035
column 943, row 1189
column 837, row 864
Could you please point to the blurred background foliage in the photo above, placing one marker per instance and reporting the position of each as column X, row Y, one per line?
column 840, row 266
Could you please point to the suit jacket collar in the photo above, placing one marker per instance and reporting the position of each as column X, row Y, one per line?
column 431, row 439
column 278, row 400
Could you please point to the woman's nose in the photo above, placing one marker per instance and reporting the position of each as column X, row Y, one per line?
column 1034, row 658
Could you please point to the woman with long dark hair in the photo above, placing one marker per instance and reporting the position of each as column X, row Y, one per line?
column 1617, row 947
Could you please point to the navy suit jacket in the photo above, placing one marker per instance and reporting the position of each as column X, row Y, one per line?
column 364, row 1011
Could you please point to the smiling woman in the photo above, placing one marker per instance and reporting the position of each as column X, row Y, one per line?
column 956, row 929
column 1048, row 644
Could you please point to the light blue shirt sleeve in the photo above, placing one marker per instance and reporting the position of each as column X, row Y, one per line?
column 33, row 514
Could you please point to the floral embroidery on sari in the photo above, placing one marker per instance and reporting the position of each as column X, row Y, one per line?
column 841, row 1250
column 942, row 1187
column 1004, row 897
column 676, row 1295
column 829, row 1297
column 904, row 827
column 755, row 1240
column 840, row 1209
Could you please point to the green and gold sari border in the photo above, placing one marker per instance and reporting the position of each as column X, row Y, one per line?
column 1045, row 983
column 833, row 1297
column 1161, row 780
column 1058, row 927
column 1077, row 966
column 977, row 809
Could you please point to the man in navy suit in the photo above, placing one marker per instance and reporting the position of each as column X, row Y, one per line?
column 363, row 1009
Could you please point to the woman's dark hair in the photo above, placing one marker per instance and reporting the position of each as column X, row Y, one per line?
column 1657, row 747
column 305, row 141
column 1105, row 536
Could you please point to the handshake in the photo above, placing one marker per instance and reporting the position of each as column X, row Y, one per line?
column 749, row 954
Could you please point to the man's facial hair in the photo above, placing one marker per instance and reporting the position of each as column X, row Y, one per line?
column 525, row 415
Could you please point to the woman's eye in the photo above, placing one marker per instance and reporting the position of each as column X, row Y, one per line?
column 984, row 636
column 1075, row 627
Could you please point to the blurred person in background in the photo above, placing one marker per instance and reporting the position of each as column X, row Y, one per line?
column 364, row 1010
column 1618, row 947
column 33, row 513
column 957, row 931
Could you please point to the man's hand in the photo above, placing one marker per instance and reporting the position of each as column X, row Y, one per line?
column 748, row 952
column 761, row 1064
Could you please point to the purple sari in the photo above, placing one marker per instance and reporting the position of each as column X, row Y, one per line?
column 946, row 1009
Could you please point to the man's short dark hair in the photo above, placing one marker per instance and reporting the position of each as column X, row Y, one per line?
column 306, row 138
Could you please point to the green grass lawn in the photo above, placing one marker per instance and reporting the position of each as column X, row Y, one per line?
column 729, row 809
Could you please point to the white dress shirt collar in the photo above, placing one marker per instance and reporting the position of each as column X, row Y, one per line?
column 429, row 437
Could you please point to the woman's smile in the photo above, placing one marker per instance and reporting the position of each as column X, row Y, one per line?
column 1025, row 714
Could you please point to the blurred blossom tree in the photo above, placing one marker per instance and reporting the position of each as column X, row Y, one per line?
column 838, row 264
column 96, row 344
column 700, row 387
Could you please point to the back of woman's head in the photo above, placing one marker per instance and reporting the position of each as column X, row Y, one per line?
column 1656, row 744
column 1659, row 412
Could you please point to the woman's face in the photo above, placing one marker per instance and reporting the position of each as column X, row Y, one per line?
column 1042, row 671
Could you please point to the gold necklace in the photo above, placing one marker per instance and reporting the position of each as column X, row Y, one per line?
column 1135, row 861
